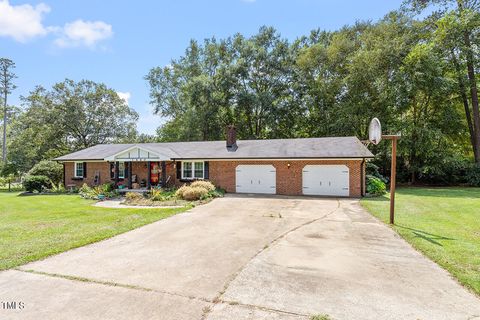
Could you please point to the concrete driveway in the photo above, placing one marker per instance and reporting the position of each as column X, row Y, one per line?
column 243, row 257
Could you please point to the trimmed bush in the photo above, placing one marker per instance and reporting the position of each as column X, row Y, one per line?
column 50, row 169
column 181, row 190
column 375, row 186
column 203, row 184
column 36, row 183
column 194, row 193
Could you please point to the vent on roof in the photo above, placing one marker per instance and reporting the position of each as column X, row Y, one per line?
column 231, row 138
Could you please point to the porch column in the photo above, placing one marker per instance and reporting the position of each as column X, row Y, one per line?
column 129, row 174
column 149, row 177
column 164, row 173
column 116, row 173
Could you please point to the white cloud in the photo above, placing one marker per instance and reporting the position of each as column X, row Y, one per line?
column 22, row 22
column 83, row 33
column 148, row 122
column 124, row 95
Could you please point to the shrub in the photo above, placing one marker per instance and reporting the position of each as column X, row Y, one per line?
column 161, row 194
column 58, row 188
column 194, row 193
column 133, row 196
column 156, row 194
column 50, row 169
column 372, row 170
column 473, row 176
column 217, row 193
column 203, row 184
column 181, row 190
column 36, row 183
column 93, row 193
column 375, row 186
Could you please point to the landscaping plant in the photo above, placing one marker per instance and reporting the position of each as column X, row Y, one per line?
column 203, row 184
column 58, row 188
column 133, row 196
column 106, row 190
column 194, row 193
column 33, row 183
column 375, row 186
column 199, row 190
column 161, row 194
column 50, row 169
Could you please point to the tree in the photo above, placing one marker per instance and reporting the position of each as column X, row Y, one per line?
column 6, row 87
column 331, row 83
column 69, row 117
column 236, row 80
column 456, row 31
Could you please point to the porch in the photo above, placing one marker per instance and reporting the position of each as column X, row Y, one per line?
column 138, row 169
column 138, row 176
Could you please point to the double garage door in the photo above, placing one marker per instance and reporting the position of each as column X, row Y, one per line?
column 325, row 180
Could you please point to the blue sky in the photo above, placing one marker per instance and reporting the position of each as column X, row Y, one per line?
column 117, row 42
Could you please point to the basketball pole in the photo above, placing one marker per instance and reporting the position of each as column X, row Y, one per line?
column 393, row 174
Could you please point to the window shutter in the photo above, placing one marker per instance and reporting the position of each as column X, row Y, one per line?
column 112, row 170
column 84, row 169
column 206, row 170
column 179, row 170
column 126, row 170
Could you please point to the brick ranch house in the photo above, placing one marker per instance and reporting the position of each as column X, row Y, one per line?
column 332, row 166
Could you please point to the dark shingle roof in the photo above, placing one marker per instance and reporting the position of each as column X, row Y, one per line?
column 332, row 147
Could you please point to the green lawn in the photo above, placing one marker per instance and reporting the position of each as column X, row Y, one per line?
column 33, row 227
column 443, row 223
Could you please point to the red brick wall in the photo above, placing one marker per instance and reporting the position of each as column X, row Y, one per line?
column 141, row 170
column 222, row 173
column 102, row 167
column 289, row 179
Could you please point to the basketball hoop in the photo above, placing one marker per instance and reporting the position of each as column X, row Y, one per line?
column 375, row 131
column 375, row 136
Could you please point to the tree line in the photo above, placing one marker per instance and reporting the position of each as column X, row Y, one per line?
column 414, row 70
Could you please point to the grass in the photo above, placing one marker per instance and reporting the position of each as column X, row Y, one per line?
column 34, row 227
column 443, row 223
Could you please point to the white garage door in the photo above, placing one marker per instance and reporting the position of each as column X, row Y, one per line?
column 255, row 179
column 326, row 180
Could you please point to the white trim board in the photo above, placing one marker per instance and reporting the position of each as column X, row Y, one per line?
column 137, row 153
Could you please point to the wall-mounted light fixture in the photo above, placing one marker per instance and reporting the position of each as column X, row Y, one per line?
column 288, row 165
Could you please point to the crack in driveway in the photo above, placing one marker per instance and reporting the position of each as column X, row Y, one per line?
column 218, row 298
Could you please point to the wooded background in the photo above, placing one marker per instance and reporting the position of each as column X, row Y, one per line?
column 415, row 70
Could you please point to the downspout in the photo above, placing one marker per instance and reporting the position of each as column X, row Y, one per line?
column 362, row 178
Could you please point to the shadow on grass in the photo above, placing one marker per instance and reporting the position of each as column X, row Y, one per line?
column 430, row 237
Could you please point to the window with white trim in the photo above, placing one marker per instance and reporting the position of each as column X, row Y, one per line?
column 79, row 170
column 193, row 169
column 121, row 170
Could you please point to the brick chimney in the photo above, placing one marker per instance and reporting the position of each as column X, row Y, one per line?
column 231, row 138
